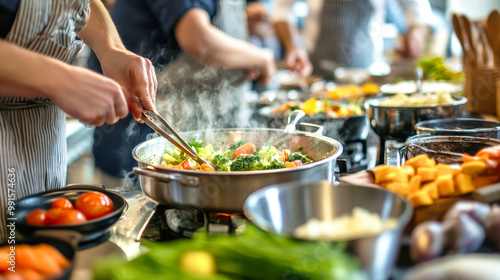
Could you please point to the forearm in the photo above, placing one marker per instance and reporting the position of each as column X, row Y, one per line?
column 223, row 51
column 284, row 34
column 201, row 40
column 26, row 73
column 100, row 32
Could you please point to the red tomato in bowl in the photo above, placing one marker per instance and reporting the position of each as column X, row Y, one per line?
column 62, row 203
column 36, row 217
column 58, row 216
column 94, row 205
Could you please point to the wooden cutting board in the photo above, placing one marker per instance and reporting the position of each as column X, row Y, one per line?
column 434, row 212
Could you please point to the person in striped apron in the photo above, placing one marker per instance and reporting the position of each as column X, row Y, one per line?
column 346, row 33
column 38, row 86
column 199, row 47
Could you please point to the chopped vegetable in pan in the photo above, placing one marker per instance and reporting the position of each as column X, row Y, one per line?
column 241, row 156
column 321, row 107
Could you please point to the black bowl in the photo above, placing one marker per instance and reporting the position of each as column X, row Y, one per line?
column 460, row 127
column 89, row 230
column 64, row 247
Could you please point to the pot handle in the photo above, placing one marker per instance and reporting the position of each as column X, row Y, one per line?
column 293, row 119
column 318, row 132
column 395, row 156
column 185, row 180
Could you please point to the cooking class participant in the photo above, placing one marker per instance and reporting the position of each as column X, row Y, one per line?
column 347, row 33
column 38, row 86
column 205, row 63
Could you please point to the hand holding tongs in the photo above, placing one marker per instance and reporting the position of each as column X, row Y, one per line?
column 177, row 140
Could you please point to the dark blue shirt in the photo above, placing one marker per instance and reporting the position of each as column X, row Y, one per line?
column 146, row 28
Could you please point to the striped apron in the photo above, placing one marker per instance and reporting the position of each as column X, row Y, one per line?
column 32, row 131
column 193, row 96
column 349, row 35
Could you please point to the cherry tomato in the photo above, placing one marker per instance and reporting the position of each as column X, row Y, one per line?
column 58, row 216
column 62, row 203
column 36, row 217
column 94, row 205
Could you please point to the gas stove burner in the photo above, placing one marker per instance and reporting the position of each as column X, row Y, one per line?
column 188, row 221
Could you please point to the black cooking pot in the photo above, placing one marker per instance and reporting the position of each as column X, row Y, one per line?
column 89, row 230
column 345, row 130
column 460, row 127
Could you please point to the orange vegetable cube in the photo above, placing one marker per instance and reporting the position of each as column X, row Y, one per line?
column 398, row 187
column 463, row 183
column 427, row 173
column 408, row 170
column 446, row 185
column 420, row 198
column 382, row 171
column 431, row 189
column 473, row 168
column 398, row 176
column 444, row 169
column 418, row 161
column 415, row 183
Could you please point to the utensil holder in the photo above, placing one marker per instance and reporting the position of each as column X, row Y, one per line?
column 481, row 89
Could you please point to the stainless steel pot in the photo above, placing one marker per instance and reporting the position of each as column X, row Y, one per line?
column 460, row 127
column 398, row 123
column 282, row 208
column 227, row 191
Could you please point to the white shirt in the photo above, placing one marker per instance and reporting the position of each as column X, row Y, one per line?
column 416, row 12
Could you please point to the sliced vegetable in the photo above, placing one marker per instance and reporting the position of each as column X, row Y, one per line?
column 476, row 210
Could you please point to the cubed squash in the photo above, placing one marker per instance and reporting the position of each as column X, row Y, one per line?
column 483, row 181
column 420, row 198
column 431, row 189
column 398, row 176
column 427, row 173
column 382, row 171
column 398, row 187
column 408, row 169
column 418, row 161
column 463, row 183
column 446, row 185
column 415, row 183
column 473, row 168
column 443, row 169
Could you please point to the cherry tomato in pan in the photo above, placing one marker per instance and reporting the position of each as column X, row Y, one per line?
column 94, row 205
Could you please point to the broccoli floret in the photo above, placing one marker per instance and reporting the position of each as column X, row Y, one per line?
column 275, row 164
column 222, row 163
column 298, row 156
column 247, row 163
column 196, row 144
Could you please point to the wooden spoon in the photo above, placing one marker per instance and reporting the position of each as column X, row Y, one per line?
column 469, row 39
column 459, row 32
column 492, row 27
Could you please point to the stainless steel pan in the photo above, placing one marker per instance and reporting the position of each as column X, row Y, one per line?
column 227, row 191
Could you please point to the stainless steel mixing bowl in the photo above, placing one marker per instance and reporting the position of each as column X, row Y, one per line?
column 282, row 208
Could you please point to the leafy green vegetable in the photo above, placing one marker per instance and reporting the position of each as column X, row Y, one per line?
column 435, row 69
column 253, row 255
column 275, row 164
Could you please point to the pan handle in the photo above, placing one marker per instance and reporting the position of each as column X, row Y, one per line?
column 185, row 180
column 318, row 132
column 293, row 119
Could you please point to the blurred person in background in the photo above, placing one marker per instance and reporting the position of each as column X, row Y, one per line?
column 38, row 40
column 199, row 46
column 346, row 33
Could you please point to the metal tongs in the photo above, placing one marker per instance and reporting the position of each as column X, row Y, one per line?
column 176, row 140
